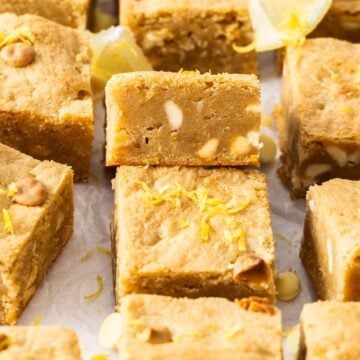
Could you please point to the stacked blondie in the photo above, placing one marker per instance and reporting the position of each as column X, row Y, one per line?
column 184, row 227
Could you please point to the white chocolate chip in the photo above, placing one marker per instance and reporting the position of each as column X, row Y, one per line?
column 287, row 286
column 253, row 108
column 311, row 205
column 330, row 256
column 314, row 170
column 337, row 154
column 111, row 331
column 208, row 150
column 268, row 150
column 174, row 114
column 240, row 146
column 254, row 139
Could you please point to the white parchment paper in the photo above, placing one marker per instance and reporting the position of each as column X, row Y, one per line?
column 60, row 300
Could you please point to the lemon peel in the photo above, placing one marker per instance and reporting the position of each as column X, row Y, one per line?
column 99, row 290
column 6, row 217
column 279, row 23
column 103, row 251
column 87, row 256
column 100, row 357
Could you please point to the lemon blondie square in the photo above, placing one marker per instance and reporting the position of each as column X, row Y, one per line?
column 36, row 210
column 46, row 106
column 161, row 327
column 330, row 330
column 197, row 34
column 330, row 248
column 163, row 118
column 320, row 131
column 192, row 232
column 66, row 12
column 38, row 343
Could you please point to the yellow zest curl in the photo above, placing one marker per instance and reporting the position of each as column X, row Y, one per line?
column 6, row 217
column 98, row 292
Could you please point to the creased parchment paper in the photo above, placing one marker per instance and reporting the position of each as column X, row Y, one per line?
column 60, row 300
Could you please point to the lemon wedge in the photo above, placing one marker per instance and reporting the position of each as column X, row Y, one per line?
column 114, row 51
column 279, row 23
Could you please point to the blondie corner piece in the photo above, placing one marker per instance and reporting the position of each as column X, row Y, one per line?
column 41, row 342
column 162, row 118
column 36, row 221
column 320, row 133
column 192, row 232
column 46, row 106
column 330, row 330
column 71, row 13
column 330, row 249
column 193, row 35
column 160, row 327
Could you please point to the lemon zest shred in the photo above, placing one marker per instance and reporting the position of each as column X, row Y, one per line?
column 6, row 217
column 12, row 190
column 99, row 290
column 87, row 256
column 38, row 320
column 288, row 331
column 231, row 332
column 212, row 326
column 21, row 34
column 244, row 49
column 103, row 251
column 347, row 110
column 193, row 334
column 184, row 223
column 135, row 322
column 208, row 208
column 99, row 357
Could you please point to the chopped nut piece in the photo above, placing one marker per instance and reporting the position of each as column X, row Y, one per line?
column 337, row 154
column 287, row 286
column 314, row 170
column 30, row 192
column 249, row 267
column 268, row 150
column 18, row 54
column 174, row 114
column 159, row 335
column 5, row 342
column 208, row 151
column 257, row 304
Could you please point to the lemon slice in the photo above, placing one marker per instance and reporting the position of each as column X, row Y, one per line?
column 114, row 51
column 279, row 23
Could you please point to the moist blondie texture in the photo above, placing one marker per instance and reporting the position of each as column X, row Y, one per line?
column 330, row 249
column 182, row 119
column 66, row 12
column 192, row 232
column 161, row 327
column 197, row 34
column 36, row 204
column 45, row 95
column 330, row 330
column 320, row 133
column 36, row 343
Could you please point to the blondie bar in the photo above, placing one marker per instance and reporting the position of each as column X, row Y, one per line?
column 182, row 119
column 330, row 249
column 320, row 132
column 330, row 330
column 46, row 107
column 36, row 205
column 66, row 12
column 37, row 343
column 341, row 22
column 161, row 327
column 197, row 34
column 192, row 232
